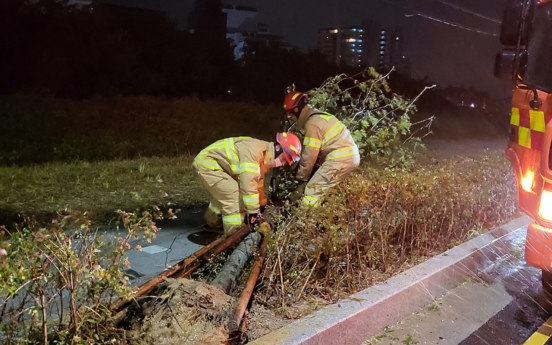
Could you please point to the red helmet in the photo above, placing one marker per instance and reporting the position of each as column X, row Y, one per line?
column 293, row 100
column 291, row 145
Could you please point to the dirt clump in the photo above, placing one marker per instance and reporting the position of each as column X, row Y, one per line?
column 260, row 321
column 181, row 311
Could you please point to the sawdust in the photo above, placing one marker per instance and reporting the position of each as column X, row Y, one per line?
column 181, row 311
column 188, row 312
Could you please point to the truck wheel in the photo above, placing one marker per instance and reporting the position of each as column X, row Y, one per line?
column 547, row 290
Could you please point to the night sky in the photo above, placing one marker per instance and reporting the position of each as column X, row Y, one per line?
column 445, row 54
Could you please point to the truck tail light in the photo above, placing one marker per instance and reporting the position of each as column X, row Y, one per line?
column 528, row 181
column 545, row 207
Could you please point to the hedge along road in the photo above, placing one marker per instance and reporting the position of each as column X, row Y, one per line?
column 181, row 237
column 497, row 302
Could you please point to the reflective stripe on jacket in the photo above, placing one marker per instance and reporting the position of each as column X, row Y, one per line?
column 326, row 138
column 246, row 159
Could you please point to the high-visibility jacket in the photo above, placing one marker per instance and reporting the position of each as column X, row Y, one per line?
column 326, row 138
column 247, row 160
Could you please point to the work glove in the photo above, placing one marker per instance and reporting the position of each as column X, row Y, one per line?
column 252, row 219
column 262, row 198
column 298, row 192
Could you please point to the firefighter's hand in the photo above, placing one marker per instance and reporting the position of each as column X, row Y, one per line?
column 252, row 220
column 298, row 192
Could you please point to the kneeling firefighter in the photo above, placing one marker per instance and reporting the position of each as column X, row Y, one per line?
column 327, row 142
column 233, row 169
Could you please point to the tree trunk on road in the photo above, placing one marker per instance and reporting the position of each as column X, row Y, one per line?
column 226, row 279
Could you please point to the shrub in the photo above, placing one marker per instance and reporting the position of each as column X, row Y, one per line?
column 381, row 221
column 56, row 283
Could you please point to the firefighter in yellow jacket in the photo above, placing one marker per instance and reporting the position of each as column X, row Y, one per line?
column 327, row 143
column 233, row 169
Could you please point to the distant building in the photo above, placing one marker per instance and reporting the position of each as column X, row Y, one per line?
column 391, row 52
column 239, row 17
column 239, row 20
column 367, row 45
column 209, row 19
column 245, row 32
column 342, row 45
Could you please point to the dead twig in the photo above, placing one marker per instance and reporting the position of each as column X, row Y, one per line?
column 308, row 277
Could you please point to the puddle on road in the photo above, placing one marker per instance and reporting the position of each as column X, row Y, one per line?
column 203, row 237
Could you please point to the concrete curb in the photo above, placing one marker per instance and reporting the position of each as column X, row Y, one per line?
column 352, row 321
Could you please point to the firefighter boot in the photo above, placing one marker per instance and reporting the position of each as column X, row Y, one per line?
column 213, row 218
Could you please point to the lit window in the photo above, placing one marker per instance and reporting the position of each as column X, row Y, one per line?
column 334, row 31
column 382, row 42
column 360, row 30
column 396, row 38
column 354, row 29
column 351, row 40
column 359, row 51
column 359, row 40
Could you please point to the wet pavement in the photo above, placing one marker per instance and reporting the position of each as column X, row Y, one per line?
column 501, row 305
column 178, row 239
column 472, row 148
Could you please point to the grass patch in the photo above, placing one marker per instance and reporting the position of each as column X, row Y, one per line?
column 433, row 307
column 40, row 130
column 100, row 188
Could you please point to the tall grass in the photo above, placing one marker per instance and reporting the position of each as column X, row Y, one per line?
column 99, row 188
column 38, row 130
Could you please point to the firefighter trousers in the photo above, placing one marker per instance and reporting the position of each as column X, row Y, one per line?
column 225, row 204
column 330, row 173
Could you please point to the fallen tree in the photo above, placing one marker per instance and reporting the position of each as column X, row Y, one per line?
column 227, row 277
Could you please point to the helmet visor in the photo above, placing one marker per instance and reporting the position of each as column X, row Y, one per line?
column 291, row 157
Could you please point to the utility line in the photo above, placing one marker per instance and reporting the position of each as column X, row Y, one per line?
column 418, row 13
column 463, row 9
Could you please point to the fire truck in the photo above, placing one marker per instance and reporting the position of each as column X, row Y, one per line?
column 526, row 59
